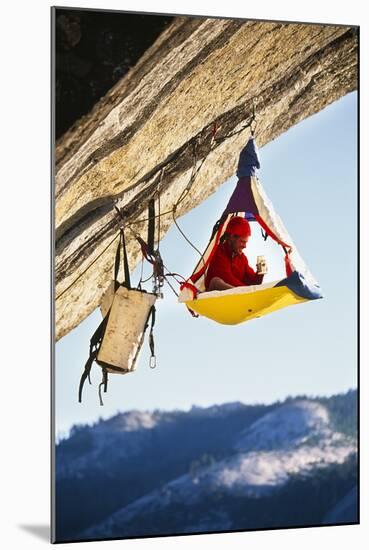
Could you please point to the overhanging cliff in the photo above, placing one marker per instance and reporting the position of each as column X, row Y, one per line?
column 161, row 115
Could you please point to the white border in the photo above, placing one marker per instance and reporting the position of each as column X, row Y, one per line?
column 25, row 222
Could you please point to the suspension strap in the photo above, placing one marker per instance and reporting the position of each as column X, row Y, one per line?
column 217, row 230
column 153, row 258
column 252, row 123
column 273, row 235
column 191, row 287
column 158, row 265
column 287, row 262
column 286, row 247
column 194, row 291
column 151, row 227
column 196, row 315
column 264, row 234
column 145, row 250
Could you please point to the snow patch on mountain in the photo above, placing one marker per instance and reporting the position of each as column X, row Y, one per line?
column 258, row 472
column 216, row 410
column 130, row 421
column 289, row 426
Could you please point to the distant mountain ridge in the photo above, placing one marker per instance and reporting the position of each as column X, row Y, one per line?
column 198, row 471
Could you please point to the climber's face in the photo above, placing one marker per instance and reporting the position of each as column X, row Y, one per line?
column 238, row 243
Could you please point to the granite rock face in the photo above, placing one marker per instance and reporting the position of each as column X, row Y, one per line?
column 155, row 125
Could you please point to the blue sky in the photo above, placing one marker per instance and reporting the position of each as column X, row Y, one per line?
column 310, row 175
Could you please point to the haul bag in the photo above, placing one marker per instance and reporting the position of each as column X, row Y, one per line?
column 125, row 330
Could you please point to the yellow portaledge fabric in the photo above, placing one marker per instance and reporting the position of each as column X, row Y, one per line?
column 232, row 309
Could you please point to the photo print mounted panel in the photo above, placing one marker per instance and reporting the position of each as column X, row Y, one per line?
column 205, row 367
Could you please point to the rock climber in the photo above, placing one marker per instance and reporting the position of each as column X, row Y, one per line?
column 229, row 266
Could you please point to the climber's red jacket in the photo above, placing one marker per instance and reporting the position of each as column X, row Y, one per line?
column 233, row 269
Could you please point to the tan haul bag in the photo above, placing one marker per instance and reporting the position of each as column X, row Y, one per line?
column 125, row 330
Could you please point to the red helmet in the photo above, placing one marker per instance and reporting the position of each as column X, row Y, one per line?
column 238, row 226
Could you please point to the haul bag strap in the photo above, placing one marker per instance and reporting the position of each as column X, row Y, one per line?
column 97, row 336
column 127, row 278
column 95, row 340
column 117, row 261
column 86, row 374
column 104, row 383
